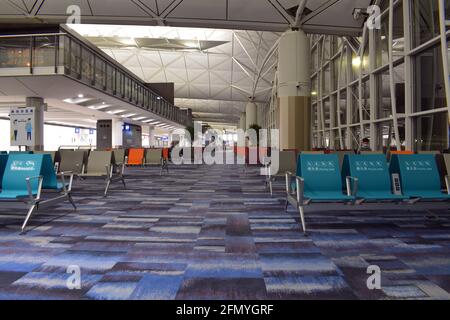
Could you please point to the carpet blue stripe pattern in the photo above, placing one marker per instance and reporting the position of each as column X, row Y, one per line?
column 214, row 232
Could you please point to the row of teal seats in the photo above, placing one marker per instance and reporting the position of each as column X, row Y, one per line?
column 24, row 178
column 366, row 178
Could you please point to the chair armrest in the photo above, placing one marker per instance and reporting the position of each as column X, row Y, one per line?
column 300, row 183
column 447, row 183
column 30, row 191
column 65, row 173
column 350, row 191
column 63, row 179
column 288, row 182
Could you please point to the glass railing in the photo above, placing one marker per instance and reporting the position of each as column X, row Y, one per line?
column 63, row 53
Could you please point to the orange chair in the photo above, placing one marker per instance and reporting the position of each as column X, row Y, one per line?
column 402, row 152
column 391, row 152
column 136, row 157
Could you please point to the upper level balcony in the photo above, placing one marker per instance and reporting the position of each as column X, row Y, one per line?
column 67, row 55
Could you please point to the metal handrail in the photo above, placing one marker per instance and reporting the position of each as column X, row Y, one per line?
column 32, row 35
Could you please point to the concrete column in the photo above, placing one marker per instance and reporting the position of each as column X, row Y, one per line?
column 261, row 112
column 294, row 91
column 117, row 133
column 38, row 126
column 151, row 136
column 109, row 133
column 242, row 121
column 251, row 115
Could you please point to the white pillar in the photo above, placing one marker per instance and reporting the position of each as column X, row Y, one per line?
column 294, row 90
column 251, row 115
column 151, row 136
column 242, row 121
column 261, row 112
column 117, row 133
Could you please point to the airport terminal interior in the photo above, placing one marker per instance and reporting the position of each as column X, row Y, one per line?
column 224, row 149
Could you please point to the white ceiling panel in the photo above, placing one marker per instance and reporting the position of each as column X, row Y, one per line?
column 262, row 15
column 211, row 9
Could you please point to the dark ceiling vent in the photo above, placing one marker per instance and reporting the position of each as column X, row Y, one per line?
column 293, row 11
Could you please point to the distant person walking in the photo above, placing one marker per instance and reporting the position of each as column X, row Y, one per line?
column 365, row 145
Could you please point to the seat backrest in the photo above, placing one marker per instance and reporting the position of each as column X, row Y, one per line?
column 321, row 172
column 153, row 156
column 165, row 153
column 341, row 154
column 435, row 152
column 371, row 170
column 51, row 153
column 447, row 162
column 98, row 161
column 119, row 155
column 287, row 162
column 371, row 152
column 418, row 172
column 395, row 152
column 136, row 156
column 48, row 173
column 21, row 152
column 18, row 168
column 72, row 160
column 3, row 161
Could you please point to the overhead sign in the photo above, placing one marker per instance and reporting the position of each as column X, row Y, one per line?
column 22, row 126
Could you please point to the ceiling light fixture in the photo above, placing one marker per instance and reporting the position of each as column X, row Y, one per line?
column 356, row 62
column 128, row 115
column 115, row 111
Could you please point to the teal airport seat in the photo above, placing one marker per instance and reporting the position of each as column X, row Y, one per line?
column 318, row 179
column 369, row 176
column 53, row 154
column 419, row 176
column 3, row 160
column 26, row 175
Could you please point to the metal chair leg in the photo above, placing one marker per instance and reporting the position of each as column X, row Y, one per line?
column 30, row 211
column 107, row 187
column 302, row 218
column 69, row 196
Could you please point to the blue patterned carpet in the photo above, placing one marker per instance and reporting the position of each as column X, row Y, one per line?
column 215, row 233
